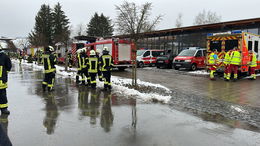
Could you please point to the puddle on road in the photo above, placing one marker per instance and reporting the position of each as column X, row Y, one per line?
column 97, row 117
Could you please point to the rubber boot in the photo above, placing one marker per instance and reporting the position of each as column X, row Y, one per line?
column 5, row 111
column 77, row 79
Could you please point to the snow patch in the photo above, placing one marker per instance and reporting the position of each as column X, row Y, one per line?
column 199, row 72
column 119, row 84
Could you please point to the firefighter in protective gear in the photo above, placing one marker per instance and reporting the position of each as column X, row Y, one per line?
column 70, row 59
column 5, row 67
column 106, row 63
column 84, row 69
column 100, row 76
column 79, row 72
column 213, row 58
column 49, row 61
column 93, row 68
column 252, row 64
column 235, row 60
column 227, row 64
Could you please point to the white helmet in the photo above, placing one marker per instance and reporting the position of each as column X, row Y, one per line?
column 84, row 49
column 51, row 48
column 105, row 49
column 92, row 53
column 79, row 51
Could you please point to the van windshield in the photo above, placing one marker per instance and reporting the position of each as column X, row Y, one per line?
column 187, row 53
column 140, row 52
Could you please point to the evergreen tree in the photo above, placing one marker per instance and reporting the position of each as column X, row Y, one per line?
column 100, row 26
column 51, row 26
column 42, row 33
column 61, row 31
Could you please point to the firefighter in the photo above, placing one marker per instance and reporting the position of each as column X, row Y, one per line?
column 106, row 63
column 227, row 64
column 20, row 56
column 70, row 59
column 213, row 57
column 5, row 67
column 235, row 60
column 252, row 64
column 49, row 61
column 100, row 76
column 84, row 69
column 79, row 72
column 93, row 68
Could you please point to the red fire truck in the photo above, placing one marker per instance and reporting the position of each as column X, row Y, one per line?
column 121, row 50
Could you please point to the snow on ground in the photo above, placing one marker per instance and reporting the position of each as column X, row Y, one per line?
column 199, row 72
column 118, row 84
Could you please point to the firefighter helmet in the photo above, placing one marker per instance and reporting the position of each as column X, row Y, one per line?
column 51, row 49
column 79, row 51
column 105, row 49
column 92, row 53
column 84, row 49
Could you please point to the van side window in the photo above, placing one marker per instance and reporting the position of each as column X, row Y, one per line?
column 147, row 53
column 199, row 53
column 204, row 52
column 250, row 45
column 256, row 47
column 156, row 53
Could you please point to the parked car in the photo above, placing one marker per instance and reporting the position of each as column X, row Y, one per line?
column 191, row 58
column 165, row 61
column 147, row 57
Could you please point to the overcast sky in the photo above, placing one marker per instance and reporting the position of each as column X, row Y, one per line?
column 17, row 16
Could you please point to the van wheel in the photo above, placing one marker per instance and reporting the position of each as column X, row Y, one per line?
column 193, row 67
column 141, row 64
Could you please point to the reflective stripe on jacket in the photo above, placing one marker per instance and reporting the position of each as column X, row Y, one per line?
column 227, row 58
column 5, row 67
column 235, row 58
column 49, row 63
column 253, row 60
column 212, row 60
column 106, row 62
column 93, row 65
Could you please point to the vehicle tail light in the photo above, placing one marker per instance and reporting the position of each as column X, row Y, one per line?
column 166, row 61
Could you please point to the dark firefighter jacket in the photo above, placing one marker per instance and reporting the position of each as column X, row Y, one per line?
column 49, row 61
column 5, row 67
column 106, row 62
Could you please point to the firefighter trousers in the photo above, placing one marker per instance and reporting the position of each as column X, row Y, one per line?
column 107, row 77
column 48, row 80
column 252, row 73
column 84, row 75
column 3, row 99
column 93, row 81
column 212, row 69
column 226, row 71
column 233, row 68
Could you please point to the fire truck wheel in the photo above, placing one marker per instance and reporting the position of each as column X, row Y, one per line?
column 193, row 67
column 141, row 64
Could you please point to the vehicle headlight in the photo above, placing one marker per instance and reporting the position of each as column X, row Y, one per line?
column 187, row 61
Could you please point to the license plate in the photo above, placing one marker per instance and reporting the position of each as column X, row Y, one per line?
column 160, row 61
column 178, row 64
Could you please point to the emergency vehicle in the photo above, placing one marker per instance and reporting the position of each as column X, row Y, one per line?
column 119, row 49
column 190, row 58
column 224, row 42
column 147, row 57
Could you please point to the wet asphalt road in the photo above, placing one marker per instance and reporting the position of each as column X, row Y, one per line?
column 79, row 116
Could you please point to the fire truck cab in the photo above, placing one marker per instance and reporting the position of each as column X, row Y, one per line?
column 224, row 42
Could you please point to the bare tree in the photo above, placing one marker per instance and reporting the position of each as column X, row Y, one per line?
column 133, row 20
column 207, row 17
column 178, row 22
column 80, row 30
